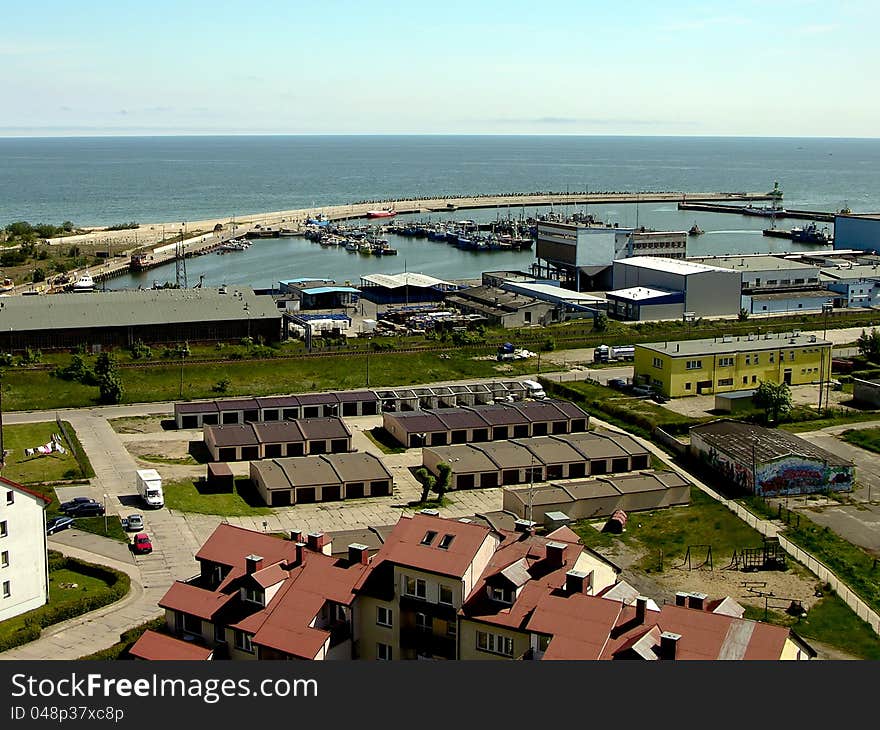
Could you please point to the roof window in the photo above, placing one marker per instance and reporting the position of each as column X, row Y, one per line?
column 446, row 541
column 429, row 537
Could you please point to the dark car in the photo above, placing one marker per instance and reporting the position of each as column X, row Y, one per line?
column 56, row 524
column 660, row 398
column 87, row 509
column 617, row 383
column 76, row 502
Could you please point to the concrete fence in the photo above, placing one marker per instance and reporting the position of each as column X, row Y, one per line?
column 670, row 442
column 825, row 574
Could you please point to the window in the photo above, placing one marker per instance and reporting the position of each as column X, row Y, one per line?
column 4, row 559
column 725, row 362
column 243, row 642
column 694, row 364
column 10, row 497
column 494, row 643
column 748, row 359
column 429, row 537
column 423, row 623
column 383, row 616
column 791, row 355
column 687, row 386
column 7, row 589
column 383, row 652
column 756, row 358
column 253, row 595
column 745, row 379
column 451, row 629
column 192, row 624
column 543, row 643
column 415, row 587
column 4, row 529
column 772, row 355
column 658, row 363
column 446, row 595
column 502, row 595
column 754, row 378
column 219, row 633
column 446, row 541
column 725, row 381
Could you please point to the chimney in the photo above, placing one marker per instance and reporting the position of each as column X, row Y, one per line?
column 300, row 552
column 681, row 598
column 358, row 553
column 318, row 542
column 430, row 512
column 253, row 563
column 641, row 608
column 524, row 526
column 576, row 581
column 697, row 600
column 668, row 644
column 556, row 554
column 296, row 535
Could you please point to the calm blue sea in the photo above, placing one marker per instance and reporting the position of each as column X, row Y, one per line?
column 98, row 181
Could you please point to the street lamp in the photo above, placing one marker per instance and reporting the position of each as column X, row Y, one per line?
column 827, row 308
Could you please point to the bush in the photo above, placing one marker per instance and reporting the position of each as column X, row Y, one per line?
column 127, row 639
column 221, row 386
column 31, row 357
column 140, row 351
column 77, row 371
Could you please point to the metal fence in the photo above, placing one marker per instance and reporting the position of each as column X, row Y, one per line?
column 72, row 445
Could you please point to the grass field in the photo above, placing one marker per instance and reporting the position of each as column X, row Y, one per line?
column 61, row 593
column 189, row 496
column 384, row 441
column 867, row 438
column 28, row 469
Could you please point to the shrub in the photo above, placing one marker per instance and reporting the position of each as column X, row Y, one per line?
column 140, row 351
column 221, row 386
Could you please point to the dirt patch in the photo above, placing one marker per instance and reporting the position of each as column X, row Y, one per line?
column 174, row 452
column 137, row 424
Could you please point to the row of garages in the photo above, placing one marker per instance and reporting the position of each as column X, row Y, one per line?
column 230, row 411
column 324, row 478
column 503, row 463
column 481, row 423
column 347, row 403
column 600, row 497
column 270, row 440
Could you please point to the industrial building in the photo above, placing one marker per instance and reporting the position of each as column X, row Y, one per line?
column 317, row 294
column 599, row 497
column 479, row 423
column 501, row 308
column 571, row 456
column 324, row 478
column 673, row 289
column 406, row 288
column 268, row 440
column 857, row 231
column 120, row 318
column 227, row 411
column 769, row 462
column 695, row 367
column 853, row 285
column 582, row 254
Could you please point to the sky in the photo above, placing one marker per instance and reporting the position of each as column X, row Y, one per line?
column 789, row 68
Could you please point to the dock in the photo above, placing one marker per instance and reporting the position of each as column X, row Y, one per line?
column 807, row 215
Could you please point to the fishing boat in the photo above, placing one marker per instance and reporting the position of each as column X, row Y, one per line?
column 84, row 283
column 695, row 230
column 320, row 220
column 352, row 245
column 7, row 285
column 767, row 212
column 384, row 213
column 811, row 234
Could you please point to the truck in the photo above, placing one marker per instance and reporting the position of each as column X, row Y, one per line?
column 534, row 389
column 149, row 487
column 613, row 353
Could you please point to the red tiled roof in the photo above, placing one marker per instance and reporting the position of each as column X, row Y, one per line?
column 579, row 624
column 564, row 534
column 269, row 576
column 403, row 546
column 194, row 601
column 708, row 636
column 228, row 545
column 157, row 647
column 16, row 485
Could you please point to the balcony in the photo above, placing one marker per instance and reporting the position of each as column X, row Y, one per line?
column 434, row 610
column 426, row 642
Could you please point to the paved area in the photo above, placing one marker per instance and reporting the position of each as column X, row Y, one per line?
column 91, row 543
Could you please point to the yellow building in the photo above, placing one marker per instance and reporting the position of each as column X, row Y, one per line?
column 695, row 367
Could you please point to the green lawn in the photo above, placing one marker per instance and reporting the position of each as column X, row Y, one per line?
column 50, row 468
column 867, row 438
column 189, row 496
column 831, row 622
column 837, row 419
column 62, row 593
column 384, row 441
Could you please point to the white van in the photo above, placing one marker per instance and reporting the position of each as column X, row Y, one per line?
column 534, row 389
column 149, row 486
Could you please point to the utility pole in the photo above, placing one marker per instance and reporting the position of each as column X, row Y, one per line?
column 2, row 450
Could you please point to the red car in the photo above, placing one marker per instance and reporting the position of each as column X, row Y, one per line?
column 141, row 544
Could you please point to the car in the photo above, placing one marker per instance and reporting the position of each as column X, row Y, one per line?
column 617, row 383
column 56, row 524
column 75, row 502
column 644, row 390
column 87, row 509
column 133, row 523
column 141, row 544
column 660, row 398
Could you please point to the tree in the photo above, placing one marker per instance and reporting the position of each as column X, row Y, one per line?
column 39, row 275
column 743, row 314
column 600, row 322
column 774, row 398
column 108, row 379
column 869, row 344
column 442, row 484
column 427, row 481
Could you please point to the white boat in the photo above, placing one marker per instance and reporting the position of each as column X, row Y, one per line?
column 84, row 283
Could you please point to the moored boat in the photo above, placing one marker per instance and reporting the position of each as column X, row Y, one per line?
column 384, row 213
column 84, row 283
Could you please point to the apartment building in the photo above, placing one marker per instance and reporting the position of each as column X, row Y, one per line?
column 24, row 567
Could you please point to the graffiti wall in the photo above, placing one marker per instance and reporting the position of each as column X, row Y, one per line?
column 798, row 475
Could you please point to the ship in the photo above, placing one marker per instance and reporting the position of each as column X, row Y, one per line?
column 384, row 213
column 772, row 211
column 811, row 234
column 84, row 283
column 695, row 230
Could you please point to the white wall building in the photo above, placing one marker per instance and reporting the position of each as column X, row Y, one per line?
column 24, row 565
